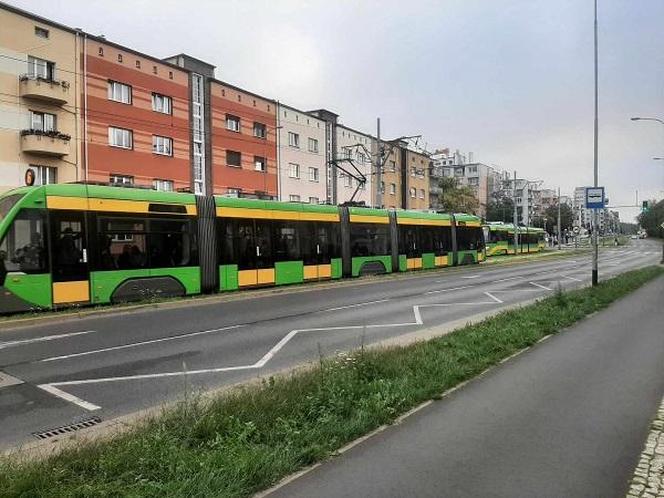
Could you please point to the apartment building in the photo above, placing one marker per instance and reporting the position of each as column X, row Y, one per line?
column 40, row 88
column 353, row 155
column 391, row 186
column 415, row 167
column 233, row 135
column 301, row 156
column 135, row 118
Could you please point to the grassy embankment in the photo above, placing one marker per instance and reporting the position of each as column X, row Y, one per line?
column 249, row 438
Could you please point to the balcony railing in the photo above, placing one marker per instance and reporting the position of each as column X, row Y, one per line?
column 45, row 89
column 47, row 143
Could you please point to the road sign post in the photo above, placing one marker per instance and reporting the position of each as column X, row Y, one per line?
column 595, row 201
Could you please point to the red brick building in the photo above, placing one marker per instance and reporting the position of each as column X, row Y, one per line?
column 243, row 139
column 135, row 113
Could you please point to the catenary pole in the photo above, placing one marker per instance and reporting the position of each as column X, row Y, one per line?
column 596, row 137
column 379, row 166
column 516, row 218
column 559, row 232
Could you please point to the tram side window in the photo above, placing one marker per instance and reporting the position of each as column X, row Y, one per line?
column 408, row 243
column 122, row 244
column 469, row 238
column 24, row 245
column 426, row 236
column 236, row 243
column 442, row 240
column 368, row 239
column 172, row 243
column 286, row 237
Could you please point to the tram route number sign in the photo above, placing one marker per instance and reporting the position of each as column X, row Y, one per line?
column 595, row 197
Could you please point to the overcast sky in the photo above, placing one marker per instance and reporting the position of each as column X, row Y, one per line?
column 509, row 80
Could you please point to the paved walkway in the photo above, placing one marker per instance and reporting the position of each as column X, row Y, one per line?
column 648, row 479
column 567, row 418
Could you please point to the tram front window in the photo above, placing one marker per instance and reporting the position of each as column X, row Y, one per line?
column 23, row 247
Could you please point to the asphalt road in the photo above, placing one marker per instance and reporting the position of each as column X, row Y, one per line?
column 567, row 418
column 118, row 363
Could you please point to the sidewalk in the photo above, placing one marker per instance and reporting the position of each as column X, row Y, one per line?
column 567, row 418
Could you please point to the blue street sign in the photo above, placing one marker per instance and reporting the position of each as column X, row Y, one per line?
column 594, row 197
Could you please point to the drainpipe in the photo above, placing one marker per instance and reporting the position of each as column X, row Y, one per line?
column 85, row 103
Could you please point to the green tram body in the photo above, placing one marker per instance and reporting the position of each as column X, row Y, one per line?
column 77, row 244
column 500, row 239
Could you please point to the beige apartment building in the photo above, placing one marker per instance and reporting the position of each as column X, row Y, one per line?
column 391, row 181
column 415, row 179
column 40, row 89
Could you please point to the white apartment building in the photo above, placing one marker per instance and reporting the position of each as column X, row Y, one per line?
column 301, row 156
column 354, row 147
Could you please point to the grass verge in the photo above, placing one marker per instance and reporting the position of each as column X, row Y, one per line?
column 249, row 438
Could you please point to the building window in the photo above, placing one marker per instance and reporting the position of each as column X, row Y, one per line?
column 313, row 200
column 473, row 181
column 170, row 75
column 45, row 175
column 101, row 51
column 260, row 163
column 348, row 181
column 162, row 185
column 119, row 57
column 413, row 192
column 154, row 69
column 119, row 137
column 294, row 198
column 119, row 92
column 382, row 187
column 233, row 158
column 162, row 103
column 293, row 170
column 293, row 139
column 260, row 130
column 41, row 32
column 40, row 68
column 121, row 179
column 472, row 169
column 42, row 121
column 313, row 145
column 393, row 166
column 232, row 123
column 313, row 175
column 360, row 158
column 393, row 188
column 162, row 145
column 421, row 193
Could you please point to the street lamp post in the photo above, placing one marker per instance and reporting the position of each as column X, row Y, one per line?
column 595, row 159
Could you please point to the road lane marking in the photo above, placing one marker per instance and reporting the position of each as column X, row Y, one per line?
column 493, row 297
column 11, row 344
column 353, row 305
column 540, row 286
column 573, row 279
column 472, row 276
column 49, row 388
column 450, row 290
column 136, row 344
column 506, row 279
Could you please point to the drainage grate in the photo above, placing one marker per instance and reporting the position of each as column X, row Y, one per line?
column 67, row 429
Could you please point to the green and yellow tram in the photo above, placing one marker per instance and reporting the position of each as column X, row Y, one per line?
column 500, row 239
column 92, row 244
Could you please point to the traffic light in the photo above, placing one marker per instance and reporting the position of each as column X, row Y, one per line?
column 644, row 206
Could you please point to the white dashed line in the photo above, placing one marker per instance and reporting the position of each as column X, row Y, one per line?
column 136, row 344
column 11, row 344
column 540, row 286
column 354, row 305
column 450, row 290
column 69, row 397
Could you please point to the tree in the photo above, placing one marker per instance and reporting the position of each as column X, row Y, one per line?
column 566, row 217
column 501, row 209
column 455, row 198
column 651, row 219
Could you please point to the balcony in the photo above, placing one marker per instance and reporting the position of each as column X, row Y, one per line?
column 45, row 143
column 435, row 190
column 44, row 89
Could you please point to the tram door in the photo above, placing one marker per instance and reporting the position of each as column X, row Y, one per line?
column 69, row 256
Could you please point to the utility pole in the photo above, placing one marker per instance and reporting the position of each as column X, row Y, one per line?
column 559, row 232
column 379, row 166
column 516, row 218
column 596, row 137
